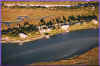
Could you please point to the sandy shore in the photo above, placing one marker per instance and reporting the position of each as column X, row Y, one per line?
column 23, row 40
column 9, row 40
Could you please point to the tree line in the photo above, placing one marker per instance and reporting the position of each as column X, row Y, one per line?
column 26, row 27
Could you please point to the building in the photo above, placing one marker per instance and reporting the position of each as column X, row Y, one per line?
column 95, row 21
column 22, row 35
column 64, row 27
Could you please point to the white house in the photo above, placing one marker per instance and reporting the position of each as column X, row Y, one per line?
column 95, row 21
column 48, row 30
column 22, row 35
column 42, row 31
column 65, row 27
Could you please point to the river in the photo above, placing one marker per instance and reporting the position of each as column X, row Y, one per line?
column 65, row 45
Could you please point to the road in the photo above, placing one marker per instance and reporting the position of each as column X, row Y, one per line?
column 58, row 47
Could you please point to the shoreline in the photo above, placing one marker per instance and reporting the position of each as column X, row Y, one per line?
column 22, row 41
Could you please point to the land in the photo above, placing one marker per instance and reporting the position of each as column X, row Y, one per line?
column 35, row 14
column 10, row 15
column 89, row 58
column 37, row 35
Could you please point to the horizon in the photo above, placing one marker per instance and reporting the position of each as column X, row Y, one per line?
column 49, row 0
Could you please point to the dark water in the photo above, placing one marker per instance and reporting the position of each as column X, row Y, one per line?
column 57, row 47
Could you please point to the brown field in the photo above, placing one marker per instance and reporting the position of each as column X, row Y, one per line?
column 9, row 14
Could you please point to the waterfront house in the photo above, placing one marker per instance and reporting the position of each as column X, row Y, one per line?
column 64, row 27
column 95, row 21
column 44, row 29
column 22, row 35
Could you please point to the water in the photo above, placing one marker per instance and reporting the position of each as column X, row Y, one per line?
column 55, row 48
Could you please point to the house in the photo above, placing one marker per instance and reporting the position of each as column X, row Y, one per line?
column 65, row 27
column 95, row 21
column 48, row 30
column 44, row 29
column 22, row 35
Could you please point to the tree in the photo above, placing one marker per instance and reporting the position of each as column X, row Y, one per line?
column 42, row 21
column 49, row 23
column 71, row 17
column 64, row 18
column 57, row 20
